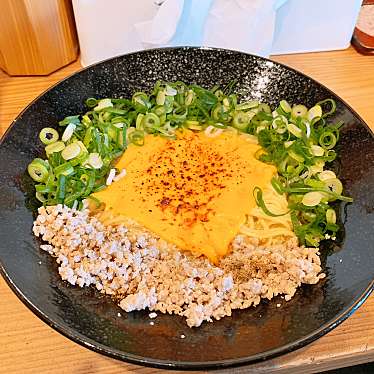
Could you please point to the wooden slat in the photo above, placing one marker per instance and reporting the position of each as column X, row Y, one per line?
column 37, row 37
column 30, row 346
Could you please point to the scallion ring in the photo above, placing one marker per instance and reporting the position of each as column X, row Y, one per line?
column 38, row 170
column 299, row 111
column 327, row 140
column 240, row 120
column 48, row 135
column 91, row 102
column 54, row 147
column 330, row 216
column 137, row 137
column 332, row 104
column 334, row 185
column 150, row 121
column 64, row 169
column 71, row 151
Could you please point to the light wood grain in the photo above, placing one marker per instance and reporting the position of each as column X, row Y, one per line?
column 30, row 346
column 37, row 36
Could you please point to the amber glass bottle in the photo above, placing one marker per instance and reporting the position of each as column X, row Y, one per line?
column 363, row 37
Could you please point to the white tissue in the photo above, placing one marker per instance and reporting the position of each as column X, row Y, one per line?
column 244, row 25
column 162, row 27
column 106, row 28
column 126, row 26
column 247, row 25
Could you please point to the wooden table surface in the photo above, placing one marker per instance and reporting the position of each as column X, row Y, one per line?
column 27, row 345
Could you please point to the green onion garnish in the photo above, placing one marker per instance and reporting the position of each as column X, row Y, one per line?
column 299, row 141
column 257, row 193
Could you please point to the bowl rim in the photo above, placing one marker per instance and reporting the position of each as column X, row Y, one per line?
column 185, row 365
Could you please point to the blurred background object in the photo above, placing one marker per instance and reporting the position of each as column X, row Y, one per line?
column 262, row 27
column 106, row 28
column 314, row 25
column 37, row 37
column 363, row 37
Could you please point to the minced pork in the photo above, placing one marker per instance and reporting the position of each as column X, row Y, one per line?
column 139, row 270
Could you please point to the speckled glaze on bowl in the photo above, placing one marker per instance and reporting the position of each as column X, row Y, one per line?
column 250, row 335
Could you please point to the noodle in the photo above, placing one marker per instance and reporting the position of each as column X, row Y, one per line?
column 269, row 230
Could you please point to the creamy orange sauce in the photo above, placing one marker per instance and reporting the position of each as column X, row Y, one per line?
column 194, row 191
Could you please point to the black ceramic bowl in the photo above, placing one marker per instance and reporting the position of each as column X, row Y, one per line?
column 249, row 335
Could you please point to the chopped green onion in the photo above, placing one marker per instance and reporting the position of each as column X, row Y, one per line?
column 140, row 98
column 54, row 147
column 48, row 135
column 314, row 112
column 330, row 216
column 170, row 91
column 94, row 160
column 327, row 140
column 334, row 185
column 160, row 98
column 189, row 98
column 247, row 105
column 326, row 174
column 288, row 143
column 90, row 183
column 193, row 125
column 264, row 108
column 61, row 187
column 88, row 137
column 332, row 104
column 137, row 137
column 299, row 111
column 40, row 196
column 312, row 198
column 64, row 169
column 69, row 119
column 71, row 151
column 280, row 124
column 285, row 106
column 257, row 193
column 296, row 156
column 71, row 198
column 277, row 185
column 38, row 170
column 139, row 121
column 102, row 104
column 294, row 130
column 317, row 150
column 91, row 102
column 68, row 133
column 150, row 121
column 240, row 120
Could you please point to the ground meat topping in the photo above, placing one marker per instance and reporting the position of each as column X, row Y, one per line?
column 142, row 271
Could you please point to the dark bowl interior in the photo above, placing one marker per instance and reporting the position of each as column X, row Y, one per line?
column 258, row 333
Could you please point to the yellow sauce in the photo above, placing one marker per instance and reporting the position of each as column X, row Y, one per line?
column 194, row 191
